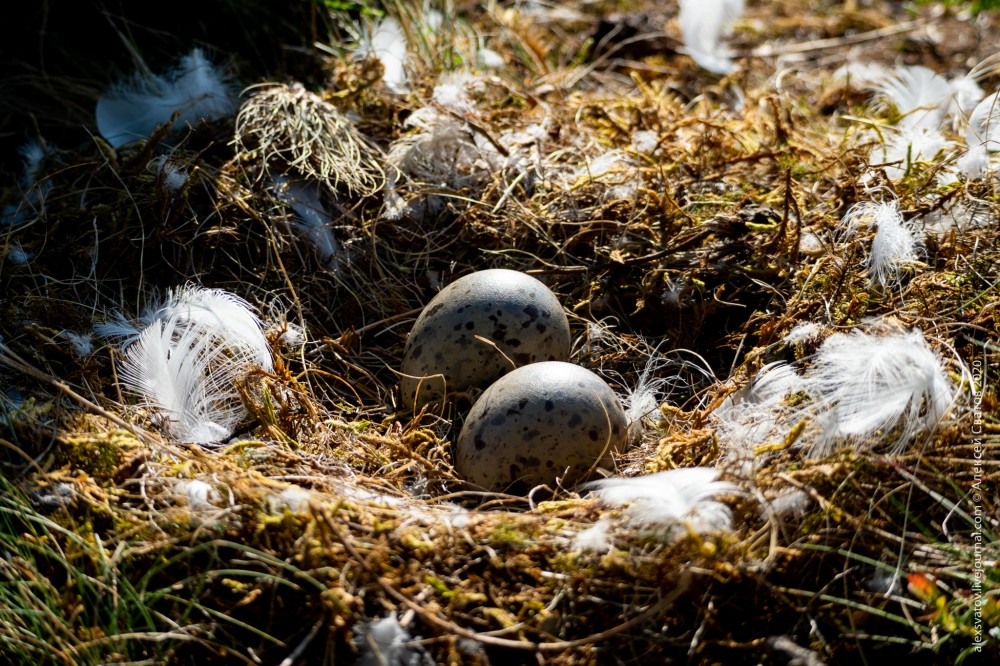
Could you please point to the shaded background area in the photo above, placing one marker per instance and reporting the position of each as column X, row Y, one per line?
column 61, row 54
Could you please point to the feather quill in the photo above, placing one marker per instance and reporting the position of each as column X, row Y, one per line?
column 130, row 110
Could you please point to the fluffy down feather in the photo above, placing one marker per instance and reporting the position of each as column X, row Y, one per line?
column 666, row 499
column 132, row 109
column 894, row 245
column 863, row 385
column 919, row 94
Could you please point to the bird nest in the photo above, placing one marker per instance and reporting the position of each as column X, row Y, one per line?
column 691, row 226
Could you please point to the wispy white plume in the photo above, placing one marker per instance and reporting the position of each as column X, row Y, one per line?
column 964, row 215
column 217, row 312
column 894, row 246
column 186, row 358
column 704, row 23
column 803, row 332
column 792, row 501
column 594, row 538
column 861, row 74
column 452, row 91
column 965, row 95
column 386, row 643
column 196, row 494
column 294, row 498
column 132, row 109
column 645, row 141
column 755, row 415
column 598, row 336
column 82, row 343
column 311, row 219
column 33, row 153
column 888, row 386
column 607, row 163
column 642, row 402
column 906, row 146
column 974, row 162
column 490, row 59
column 614, row 168
column 670, row 499
column 173, row 175
column 919, row 94
column 17, row 255
column 387, row 43
column 172, row 372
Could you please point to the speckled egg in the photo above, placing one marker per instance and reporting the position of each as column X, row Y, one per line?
column 537, row 421
column 516, row 315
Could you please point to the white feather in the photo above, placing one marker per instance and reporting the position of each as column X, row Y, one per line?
column 386, row 643
column 17, row 255
column 34, row 154
column 974, row 163
column 196, row 494
column 755, row 415
column 965, row 95
column 452, row 91
column 219, row 314
column 294, row 498
column 920, row 95
column 187, row 380
column 490, row 59
column 132, row 109
column 642, row 403
column 594, row 538
column 889, row 387
column 861, row 74
column 704, row 23
column 185, row 358
column 905, row 147
column 82, row 343
column 667, row 499
column 803, row 333
column 894, row 246
column 173, row 175
column 645, row 141
column 387, row 43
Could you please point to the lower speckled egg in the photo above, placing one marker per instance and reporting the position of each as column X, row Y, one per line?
column 537, row 421
column 518, row 318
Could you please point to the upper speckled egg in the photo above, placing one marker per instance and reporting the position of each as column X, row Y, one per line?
column 513, row 311
column 537, row 421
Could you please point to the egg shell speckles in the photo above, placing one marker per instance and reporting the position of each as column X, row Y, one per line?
column 514, row 311
column 535, row 422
